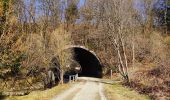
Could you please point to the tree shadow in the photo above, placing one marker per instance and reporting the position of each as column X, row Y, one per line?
column 2, row 97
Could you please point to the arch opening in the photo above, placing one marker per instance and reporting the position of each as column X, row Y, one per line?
column 90, row 64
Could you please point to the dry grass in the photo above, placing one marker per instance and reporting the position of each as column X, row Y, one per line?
column 118, row 92
column 151, row 79
column 42, row 95
column 167, row 40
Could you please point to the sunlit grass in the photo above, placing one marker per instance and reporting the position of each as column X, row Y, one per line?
column 119, row 92
column 42, row 95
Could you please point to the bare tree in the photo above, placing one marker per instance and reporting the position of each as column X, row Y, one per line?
column 118, row 21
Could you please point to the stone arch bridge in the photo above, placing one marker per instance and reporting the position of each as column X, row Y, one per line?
column 87, row 59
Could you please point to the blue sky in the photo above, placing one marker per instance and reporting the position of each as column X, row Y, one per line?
column 137, row 4
column 81, row 3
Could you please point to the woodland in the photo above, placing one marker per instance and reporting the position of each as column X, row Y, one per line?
column 130, row 37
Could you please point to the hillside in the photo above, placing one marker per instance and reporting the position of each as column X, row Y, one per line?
column 47, row 43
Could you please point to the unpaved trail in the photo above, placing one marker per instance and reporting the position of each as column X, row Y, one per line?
column 89, row 89
column 99, row 89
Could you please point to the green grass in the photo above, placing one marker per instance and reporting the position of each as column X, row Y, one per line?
column 119, row 92
column 42, row 95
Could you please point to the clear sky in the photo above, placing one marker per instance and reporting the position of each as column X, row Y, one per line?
column 81, row 3
column 137, row 4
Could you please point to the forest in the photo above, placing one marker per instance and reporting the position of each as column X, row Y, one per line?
column 130, row 37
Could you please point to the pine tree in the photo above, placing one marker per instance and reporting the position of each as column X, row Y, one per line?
column 71, row 13
column 168, row 15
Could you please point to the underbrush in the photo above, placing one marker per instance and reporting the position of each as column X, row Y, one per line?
column 153, row 81
column 167, row 40
column 21, row 82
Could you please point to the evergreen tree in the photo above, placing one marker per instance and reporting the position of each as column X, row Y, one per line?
column 168, row 15
column 71, row 13
column 162, row 13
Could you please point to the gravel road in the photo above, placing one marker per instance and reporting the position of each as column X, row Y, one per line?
column 87, row 89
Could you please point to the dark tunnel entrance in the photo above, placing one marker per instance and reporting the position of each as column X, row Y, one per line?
column 90, row 64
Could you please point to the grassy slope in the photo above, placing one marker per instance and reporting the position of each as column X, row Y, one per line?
column 167, row 40
column 119, row 92
column 42, row 95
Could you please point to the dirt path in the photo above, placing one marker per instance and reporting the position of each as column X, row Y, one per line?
column 99, row 89
column 90, row 89
column 86, row 89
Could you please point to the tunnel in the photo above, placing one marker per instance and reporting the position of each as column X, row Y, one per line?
column 90, row 64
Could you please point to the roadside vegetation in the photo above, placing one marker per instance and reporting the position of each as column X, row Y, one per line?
column 45, row 95
column 119, row 92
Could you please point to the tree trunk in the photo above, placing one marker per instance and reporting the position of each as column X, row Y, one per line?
column 126, row 78
column 61, row 77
